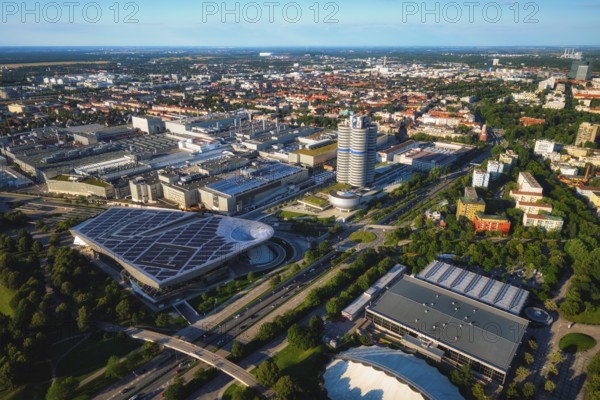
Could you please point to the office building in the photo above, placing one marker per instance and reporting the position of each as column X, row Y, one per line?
column 469, row 205
column 452, row 325
column 357, row 307
column 146, row 188
column 357, row 151
column 149, row 124
column 80, row 186
column 252, row 188
column 587, row 133
column 581, row 70
column 548, row 223
column 481, row 178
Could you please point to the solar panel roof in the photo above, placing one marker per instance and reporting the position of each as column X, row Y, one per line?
column 162, row 247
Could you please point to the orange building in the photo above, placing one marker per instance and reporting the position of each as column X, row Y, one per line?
column 491, row 223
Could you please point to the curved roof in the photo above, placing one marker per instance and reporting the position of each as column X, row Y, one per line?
column 381, row 373
column 161, row 247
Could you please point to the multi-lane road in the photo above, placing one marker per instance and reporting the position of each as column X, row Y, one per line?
column 236, row 327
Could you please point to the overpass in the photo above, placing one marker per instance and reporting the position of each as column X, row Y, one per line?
column 199, row 353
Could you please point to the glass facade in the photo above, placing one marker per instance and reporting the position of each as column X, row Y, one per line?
column 450, row 354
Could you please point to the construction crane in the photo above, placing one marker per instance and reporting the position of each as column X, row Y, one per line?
column 577, row 181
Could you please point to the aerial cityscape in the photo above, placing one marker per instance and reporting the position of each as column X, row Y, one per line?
column 299, row 203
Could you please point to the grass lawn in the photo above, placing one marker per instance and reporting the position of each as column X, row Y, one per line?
column 303, row 366
column 336, row 186
column 587, row 317
column 292, row 215
column 6, row 296
column 576, row 342
column 93, row 354
column 316, row 201
column 363, row 237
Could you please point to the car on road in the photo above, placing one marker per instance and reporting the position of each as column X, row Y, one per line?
column 126, row 390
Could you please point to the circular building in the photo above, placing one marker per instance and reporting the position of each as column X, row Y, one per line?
column 344, row 201
column 384, row 374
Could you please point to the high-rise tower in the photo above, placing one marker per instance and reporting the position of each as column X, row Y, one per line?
column 357, row 149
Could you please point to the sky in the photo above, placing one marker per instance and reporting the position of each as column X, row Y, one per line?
column 270, row 23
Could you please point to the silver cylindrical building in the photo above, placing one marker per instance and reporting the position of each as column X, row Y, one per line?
column 357, row 148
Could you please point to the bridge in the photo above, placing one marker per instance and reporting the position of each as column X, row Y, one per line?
column 197, row 352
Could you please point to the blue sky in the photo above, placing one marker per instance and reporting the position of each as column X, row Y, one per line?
column 359, row 23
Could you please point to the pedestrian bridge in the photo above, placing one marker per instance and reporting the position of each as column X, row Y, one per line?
column 199, row 353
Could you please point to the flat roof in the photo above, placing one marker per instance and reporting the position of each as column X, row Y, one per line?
column 163, row 247
column 531, row 181
column 485, row 333
column 318, row 151
column 241, row 184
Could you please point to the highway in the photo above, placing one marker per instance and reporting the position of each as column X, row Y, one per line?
column 232, row 328
column 207, row 357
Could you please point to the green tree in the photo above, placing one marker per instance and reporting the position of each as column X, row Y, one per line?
column 549, row 386
column 479, row 392
column 37, row 247
column 512, row 392
column 162, row 320
column 286, row 388
column 556, row 357
column 267, row 373
column 237, row 350
column 462, row 376
column 114, row 368
column 529, row 358
column 63, row 389
column 123, row 310
column 316, row 326
column 84, row 319
column 251, row 277
column 521, row 374
column 176, row 390
column 528, row 390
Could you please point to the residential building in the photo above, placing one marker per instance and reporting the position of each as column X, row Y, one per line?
column 529, row 197
column 509, row 159
column 544, row 147
column 481, row 178
column 587, row 133
column 357, row 151
column 469, row 205
column 527, row 183
column 491, row 223
column 534, row 208
column 495, row 169
column 548, row 223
